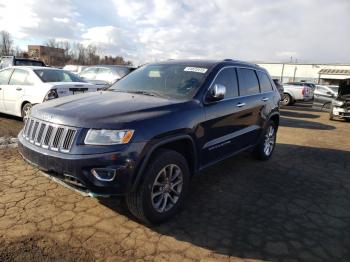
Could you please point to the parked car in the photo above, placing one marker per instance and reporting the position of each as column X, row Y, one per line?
column 323, row 96
column 279, row 87
column 153, row 129
column 22, row 87
column 8, row 61
column 293, row 93
column 303, row 83
column 104, row 75
column 76, row 69
column 340, row 107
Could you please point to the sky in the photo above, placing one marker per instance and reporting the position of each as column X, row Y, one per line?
column 154, row 30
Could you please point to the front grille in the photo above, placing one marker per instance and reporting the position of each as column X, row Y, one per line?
column 50, row 136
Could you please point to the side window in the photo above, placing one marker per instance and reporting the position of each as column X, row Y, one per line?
column 248, row 82
column 20, row 77
column 321, row 89
column 265, row 84
column 228, row 78
column 4, row 76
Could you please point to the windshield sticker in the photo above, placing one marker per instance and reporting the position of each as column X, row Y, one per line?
column 196, row 69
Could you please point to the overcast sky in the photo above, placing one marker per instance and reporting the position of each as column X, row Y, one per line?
column 142, row 31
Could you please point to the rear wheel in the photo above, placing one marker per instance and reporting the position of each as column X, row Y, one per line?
column 286, row 100
column 163, row 190
column 27, row 107
column 266, row 146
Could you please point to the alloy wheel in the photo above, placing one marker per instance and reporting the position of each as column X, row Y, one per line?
column 167, row 188
column 270, row 139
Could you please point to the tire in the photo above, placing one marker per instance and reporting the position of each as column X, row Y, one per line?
column 331, row 116
column 143, row 203
column 326, row 107
column 286, row 100
column 26, row 108
column 260, row 152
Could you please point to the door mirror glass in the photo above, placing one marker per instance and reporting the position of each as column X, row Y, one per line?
column 217, row 92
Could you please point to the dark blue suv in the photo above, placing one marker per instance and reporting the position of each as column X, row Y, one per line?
column 152, row 130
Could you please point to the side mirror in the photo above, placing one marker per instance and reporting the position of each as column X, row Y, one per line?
column 216, row 93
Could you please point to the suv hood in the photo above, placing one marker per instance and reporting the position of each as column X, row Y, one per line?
column 102, row 109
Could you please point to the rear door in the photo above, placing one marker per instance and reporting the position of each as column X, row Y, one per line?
column 15, row 90
column 4, row 80
column 252, row 102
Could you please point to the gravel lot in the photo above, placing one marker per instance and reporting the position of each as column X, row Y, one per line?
column 295, row 207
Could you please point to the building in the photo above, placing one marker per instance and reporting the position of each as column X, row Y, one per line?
column 327, row 74
column 50, row 55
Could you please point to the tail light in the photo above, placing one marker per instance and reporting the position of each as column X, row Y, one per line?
column 52, row 94
column 303, row 92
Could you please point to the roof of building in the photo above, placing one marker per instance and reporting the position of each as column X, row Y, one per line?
column 326, row 71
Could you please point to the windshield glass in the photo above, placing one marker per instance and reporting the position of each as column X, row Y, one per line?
column 56, row 75
column 175, row 81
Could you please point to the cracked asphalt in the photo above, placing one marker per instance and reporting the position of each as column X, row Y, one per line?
column 295, row 207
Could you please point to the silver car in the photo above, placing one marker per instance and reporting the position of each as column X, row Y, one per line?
column 104, row 75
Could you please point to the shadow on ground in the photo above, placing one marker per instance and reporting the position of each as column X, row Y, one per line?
column 298, row 114
column 298, row 123
column 293, row 208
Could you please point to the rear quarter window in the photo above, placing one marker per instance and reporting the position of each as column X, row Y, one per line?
column 248, row 82
column 265, row 84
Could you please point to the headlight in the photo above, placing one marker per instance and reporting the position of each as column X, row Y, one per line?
column 338, row 103
column 108, row 137
column 52, row 94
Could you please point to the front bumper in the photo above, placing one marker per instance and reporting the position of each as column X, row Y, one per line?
column 341, row 112
column 75, row 170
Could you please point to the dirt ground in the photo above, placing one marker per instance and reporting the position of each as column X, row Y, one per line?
column 295, row 207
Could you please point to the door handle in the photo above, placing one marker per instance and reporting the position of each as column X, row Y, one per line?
column 240, row 104
column 19, row 89
column 265, row 99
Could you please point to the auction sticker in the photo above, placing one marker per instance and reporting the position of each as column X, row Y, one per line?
column 196, row 69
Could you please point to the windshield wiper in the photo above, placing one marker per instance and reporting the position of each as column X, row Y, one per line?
column 147, row 93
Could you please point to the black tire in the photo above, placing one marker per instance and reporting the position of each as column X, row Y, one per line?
column 286, row 100
column 25, row 111
column 140, row 202
column 331, row 116
column 326, row 107
column 259, row 151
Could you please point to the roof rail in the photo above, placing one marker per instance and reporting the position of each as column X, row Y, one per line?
column 228, row 59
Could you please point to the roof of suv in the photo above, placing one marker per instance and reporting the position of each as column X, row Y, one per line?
column 209, row 63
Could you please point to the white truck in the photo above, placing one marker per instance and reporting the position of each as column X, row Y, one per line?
column 293, row 93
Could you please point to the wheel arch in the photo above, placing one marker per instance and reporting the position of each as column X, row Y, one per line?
column 183, row 144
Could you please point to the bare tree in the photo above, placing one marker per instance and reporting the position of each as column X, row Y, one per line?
column 6, row 43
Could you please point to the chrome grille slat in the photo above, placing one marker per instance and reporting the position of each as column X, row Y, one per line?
column 49, row 136
column 40, row 134
column 29, row 128
column 33, row 134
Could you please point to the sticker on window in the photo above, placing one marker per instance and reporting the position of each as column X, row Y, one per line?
column 196, row 69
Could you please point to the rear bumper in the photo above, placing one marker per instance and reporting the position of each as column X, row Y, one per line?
column 75, row 170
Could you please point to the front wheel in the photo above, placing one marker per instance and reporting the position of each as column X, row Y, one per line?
column 163, row 190
column 27, row 107
column 266, row 146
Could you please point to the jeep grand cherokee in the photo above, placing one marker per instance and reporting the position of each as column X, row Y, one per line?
column 152, row 130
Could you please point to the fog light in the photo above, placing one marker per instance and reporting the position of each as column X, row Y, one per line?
column 104, row 174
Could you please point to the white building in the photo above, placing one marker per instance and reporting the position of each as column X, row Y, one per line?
column 318, row 73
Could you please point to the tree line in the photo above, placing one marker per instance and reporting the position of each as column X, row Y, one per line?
column 74, row 52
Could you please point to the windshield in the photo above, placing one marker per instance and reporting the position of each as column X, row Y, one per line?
column 23, row 62
column 175, row 81
column 56, row 75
